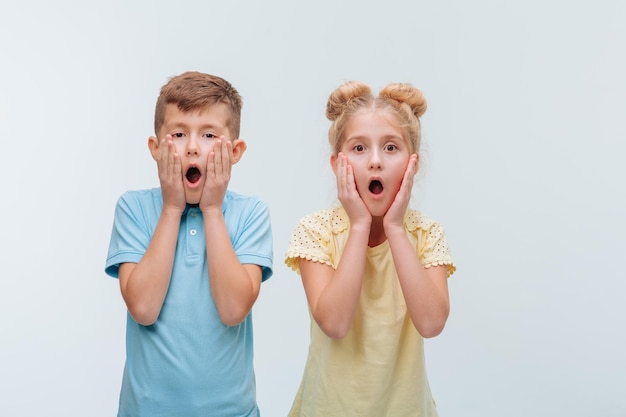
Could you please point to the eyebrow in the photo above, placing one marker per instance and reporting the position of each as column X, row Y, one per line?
column 364, row 137
column 202, row 127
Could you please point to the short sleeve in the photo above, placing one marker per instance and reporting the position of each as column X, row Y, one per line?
column 252, row 240
column 432, row 245
column 311, row 239
column 435, row 250
column 130, row 236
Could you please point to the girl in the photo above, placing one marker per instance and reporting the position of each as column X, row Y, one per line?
column 374, row 271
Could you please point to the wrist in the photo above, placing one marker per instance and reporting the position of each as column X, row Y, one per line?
column 392, row 229
column 170, row 211
column 362, row 226
column 211, row 211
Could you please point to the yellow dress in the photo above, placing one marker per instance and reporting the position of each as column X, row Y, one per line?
column 378, row 369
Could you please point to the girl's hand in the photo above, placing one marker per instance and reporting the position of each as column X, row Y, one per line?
column 170, row 175
column 395, row 214
column 347, row 193
column 219, row 164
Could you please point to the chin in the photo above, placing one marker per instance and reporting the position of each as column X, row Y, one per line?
column 377, row 210
column 192, row 199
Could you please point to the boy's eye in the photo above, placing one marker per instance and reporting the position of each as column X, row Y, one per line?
column 210, row 136
column 178, row 135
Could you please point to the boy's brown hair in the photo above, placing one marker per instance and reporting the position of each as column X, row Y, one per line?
column 195, row 91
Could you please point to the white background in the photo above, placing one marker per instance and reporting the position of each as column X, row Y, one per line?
column 523, row 162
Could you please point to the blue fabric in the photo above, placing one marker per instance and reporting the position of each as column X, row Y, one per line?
column 188, row 363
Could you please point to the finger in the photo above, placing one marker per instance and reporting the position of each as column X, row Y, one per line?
column 166, row 143
column 349, row 176
column 177, row 165
column 404, row 193
column 411, row 170
column 174, row 165
column 338, row 168
column 344, row 169
column 210, row 166
column 350, row 184
column 170, row 153
column 163, row 155
column 217, row 156
column 161, row 149
column 229, row 153
column 213, row 158
column 413, row 165
column 227, row 156
column 341, row 172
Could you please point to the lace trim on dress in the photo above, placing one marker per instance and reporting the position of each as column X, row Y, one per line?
column 293, row 256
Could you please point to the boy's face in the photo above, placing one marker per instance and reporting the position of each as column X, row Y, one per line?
column 194, row 134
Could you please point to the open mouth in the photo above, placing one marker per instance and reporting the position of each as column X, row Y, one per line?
column 193, row 175
column 376, row 187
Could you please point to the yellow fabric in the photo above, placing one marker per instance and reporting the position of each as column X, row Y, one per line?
column 378, row 369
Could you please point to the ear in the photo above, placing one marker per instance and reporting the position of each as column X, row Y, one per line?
column 417, row 163
column 333, row 163
column 153, row 145
column 239, row 147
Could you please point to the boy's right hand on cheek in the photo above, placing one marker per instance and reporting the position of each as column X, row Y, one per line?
column 170, row 175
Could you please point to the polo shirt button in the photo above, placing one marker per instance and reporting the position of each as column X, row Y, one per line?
column 192, row 232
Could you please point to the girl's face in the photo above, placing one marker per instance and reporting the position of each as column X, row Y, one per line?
column 379, row 156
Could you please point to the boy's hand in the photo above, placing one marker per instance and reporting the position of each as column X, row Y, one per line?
column 219, row 164
column 170, row 175
column 347, row 193
column 395, row 214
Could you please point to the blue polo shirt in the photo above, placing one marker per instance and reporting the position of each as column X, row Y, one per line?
column 188, row 363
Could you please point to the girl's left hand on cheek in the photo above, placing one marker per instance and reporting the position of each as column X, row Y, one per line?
column 219, row 164
column 395, row 214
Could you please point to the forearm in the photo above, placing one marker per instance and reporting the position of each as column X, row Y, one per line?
column 233, row 287
column 337, row 303
column 425, row 289
column 145, row 285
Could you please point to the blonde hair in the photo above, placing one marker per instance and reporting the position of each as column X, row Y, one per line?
column 196, row 91
column 403, row 101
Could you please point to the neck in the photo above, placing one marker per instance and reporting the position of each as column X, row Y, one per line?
column 377, row 232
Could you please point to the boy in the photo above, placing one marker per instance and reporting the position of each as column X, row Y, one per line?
column 190, row 257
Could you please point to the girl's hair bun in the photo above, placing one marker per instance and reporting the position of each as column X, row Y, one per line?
column 406, row 93
column 344, row 94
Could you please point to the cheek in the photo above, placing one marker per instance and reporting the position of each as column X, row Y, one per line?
column 395, row 170
column 206, row 146
column 399, row 174
column 359, row 168
column 179, row 146
column 357, row 162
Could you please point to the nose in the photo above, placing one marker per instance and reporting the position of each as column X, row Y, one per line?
column 192, row 146
column 375, row 161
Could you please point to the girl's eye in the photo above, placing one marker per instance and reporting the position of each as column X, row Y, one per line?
column 391, row 147
column 359, row 148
